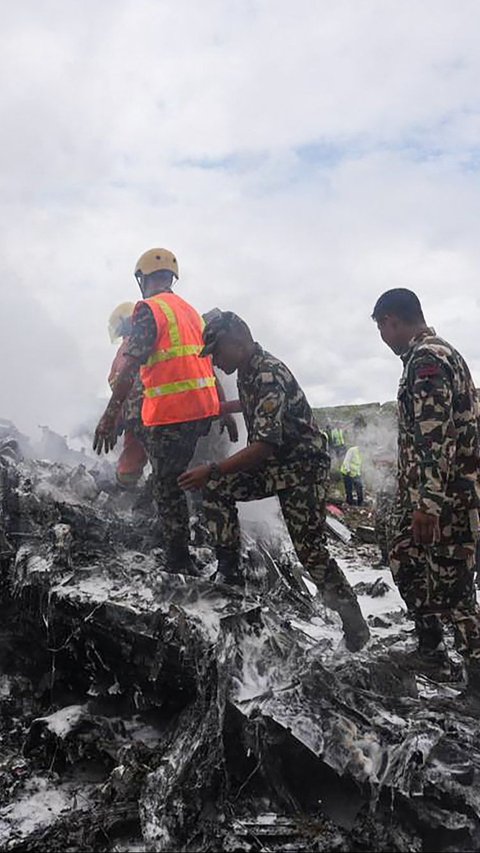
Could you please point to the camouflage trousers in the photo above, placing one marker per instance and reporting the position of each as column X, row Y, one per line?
column 170, row 449
column 437, row 588
column 384, row 506
column 301, row 488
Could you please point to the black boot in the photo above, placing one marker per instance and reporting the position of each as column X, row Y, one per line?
column 228, row 569
column 472, row 692
column 432, row 663
column 355, row 628
column 339, row 595
column 429, row 632
column 431, row 658
column 179, row 561
column 383, row 562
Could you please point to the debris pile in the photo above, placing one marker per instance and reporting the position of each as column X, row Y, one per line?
column 141, row 710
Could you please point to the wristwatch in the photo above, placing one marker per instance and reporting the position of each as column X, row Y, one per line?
column 215, row 473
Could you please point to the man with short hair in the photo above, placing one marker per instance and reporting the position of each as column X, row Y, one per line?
column 286, row 456
column 437, row 512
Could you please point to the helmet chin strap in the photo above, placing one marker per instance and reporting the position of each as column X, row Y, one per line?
column 140, row 279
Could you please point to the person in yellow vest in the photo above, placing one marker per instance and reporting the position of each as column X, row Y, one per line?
column 337, row 438
column 336, row 442
column 180, row 394
column 351, row 470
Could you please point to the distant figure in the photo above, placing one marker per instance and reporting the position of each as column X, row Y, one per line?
column 351, row 471
column 437, row 512
column 336, row 441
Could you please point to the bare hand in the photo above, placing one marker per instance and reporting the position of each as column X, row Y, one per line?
column 105, row 434
column 228, row 422
column 425, row 527
column 197, row 478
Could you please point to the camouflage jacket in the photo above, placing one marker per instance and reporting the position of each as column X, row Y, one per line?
column 438, row 441
column 276, row 410
column 132, row 407
column 143, row 335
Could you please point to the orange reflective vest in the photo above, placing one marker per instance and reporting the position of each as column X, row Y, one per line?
column 179, row 386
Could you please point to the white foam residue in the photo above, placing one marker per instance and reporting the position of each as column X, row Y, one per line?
column 204, row 613
column 312, row 588
column 96, row 588
column 61, row 495
column 38, row 565
column 309, row 731
column 257, row 679
column 39, row 806
column 61, row 722
column 266, row 819
column 5, row 686
column 384, row 716
column 318, row 630
column 146, row 594
column 138, row 730
column 358, row 571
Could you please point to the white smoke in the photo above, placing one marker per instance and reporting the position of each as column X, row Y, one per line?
column 42, row 375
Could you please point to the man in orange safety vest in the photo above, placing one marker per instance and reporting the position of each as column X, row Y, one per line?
column 180, row 394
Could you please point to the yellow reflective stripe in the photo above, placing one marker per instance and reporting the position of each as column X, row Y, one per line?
column 179, row 387
column 173, row 352
column 173, row 329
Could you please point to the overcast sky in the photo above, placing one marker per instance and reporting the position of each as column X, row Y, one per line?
column 298, row 157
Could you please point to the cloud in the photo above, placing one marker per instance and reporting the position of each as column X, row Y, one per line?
column 299, row 159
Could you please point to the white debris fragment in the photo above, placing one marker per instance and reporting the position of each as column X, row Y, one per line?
column 62, row 722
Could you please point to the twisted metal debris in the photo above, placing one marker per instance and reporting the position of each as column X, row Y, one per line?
column 141, row 710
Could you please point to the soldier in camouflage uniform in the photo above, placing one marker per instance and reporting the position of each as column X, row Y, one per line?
column 436, row 518
column 286, row 456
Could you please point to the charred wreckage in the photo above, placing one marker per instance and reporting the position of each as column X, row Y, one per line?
column 141, row 710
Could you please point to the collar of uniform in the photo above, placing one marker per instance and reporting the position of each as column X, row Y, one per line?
column 252, row 362
column 417, row 339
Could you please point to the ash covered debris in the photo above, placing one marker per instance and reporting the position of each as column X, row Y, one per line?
column 141, row 710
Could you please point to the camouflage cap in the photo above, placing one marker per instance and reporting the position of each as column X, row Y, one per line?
column 217, row 324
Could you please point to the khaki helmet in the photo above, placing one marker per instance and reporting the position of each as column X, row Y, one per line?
column 117, row 322
column 155, row 260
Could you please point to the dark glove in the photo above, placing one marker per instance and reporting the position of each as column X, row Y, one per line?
column 106, row 433
column 229, row 423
